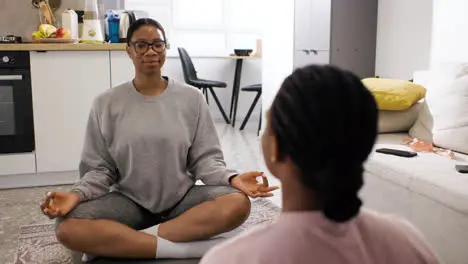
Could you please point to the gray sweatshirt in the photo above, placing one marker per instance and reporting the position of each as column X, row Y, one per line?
column 150, row 149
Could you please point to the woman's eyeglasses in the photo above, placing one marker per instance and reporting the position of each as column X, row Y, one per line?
column 141, row 47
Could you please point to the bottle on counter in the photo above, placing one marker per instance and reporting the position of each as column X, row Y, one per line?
column 70, row 22
column 113, row 23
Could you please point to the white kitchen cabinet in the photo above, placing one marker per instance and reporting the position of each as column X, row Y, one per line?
column 23, row 163
column 122, row 69
column 312, row 20
column 338, row 32
column 64, row 85
column 303, row 58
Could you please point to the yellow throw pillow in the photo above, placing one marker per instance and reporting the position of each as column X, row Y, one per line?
column 394, row 95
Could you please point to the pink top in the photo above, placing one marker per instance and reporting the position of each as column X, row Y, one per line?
column 308, row 237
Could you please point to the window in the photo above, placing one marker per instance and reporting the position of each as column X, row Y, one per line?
column 244, row 15
column 206, row 27
column 198, row 14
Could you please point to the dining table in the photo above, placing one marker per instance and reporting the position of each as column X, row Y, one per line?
column 236, row 84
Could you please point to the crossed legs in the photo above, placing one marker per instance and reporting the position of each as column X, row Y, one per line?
column 120, row 239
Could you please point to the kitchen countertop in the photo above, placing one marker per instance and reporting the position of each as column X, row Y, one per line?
column 97, row 47
column 61, row 47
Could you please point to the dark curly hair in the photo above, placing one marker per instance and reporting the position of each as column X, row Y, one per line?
column 325, row 120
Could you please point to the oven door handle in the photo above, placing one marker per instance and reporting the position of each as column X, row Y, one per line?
column 11, row 77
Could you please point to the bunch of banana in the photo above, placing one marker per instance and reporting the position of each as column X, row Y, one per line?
column 49, row 31
column 45, row 31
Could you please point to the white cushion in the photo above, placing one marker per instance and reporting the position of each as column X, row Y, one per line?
column 443, row 120
column 428, row 174
column 398, row 121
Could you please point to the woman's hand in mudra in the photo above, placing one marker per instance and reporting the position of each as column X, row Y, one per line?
column 248, row 184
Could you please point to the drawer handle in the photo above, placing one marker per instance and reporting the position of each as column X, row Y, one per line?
column 11, row 77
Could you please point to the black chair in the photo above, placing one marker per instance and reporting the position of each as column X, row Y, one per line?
column 191, row 78
column 258, row 89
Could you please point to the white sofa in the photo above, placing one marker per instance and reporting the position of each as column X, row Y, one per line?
column 427, row 190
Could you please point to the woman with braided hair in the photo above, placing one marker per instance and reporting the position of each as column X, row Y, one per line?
column 321, row 128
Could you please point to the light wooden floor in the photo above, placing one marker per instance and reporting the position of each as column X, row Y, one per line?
column 20, row 207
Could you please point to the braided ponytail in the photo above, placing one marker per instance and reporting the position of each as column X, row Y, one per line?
column 320, row 112
column 337, row 193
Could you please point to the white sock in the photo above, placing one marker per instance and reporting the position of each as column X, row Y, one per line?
column 195, row 249
column 154, row 232
column 151, row 230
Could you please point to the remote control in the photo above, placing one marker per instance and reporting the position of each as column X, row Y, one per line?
column 396, row 152
column 462, row 168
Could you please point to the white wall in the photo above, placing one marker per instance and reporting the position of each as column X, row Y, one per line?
column 206, row 27
column 404, row 37
column 450, row 35
column 278, row 47
column 219, row 69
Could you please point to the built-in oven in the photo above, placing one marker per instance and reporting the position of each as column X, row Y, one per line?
column 16, row 109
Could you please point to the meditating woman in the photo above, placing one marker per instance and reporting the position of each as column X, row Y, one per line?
column 321, row 128
column 147, row 142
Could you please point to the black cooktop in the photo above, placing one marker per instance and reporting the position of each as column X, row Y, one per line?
column 10, row 39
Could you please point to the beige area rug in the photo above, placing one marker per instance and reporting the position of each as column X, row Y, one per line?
column 37, row 243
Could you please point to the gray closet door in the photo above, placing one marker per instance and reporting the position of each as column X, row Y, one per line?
column 353, row 35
